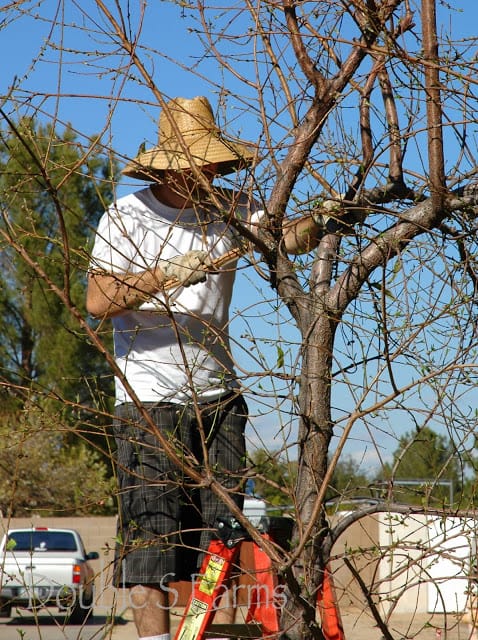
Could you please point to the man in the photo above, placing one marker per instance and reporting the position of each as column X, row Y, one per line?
column 172, row 347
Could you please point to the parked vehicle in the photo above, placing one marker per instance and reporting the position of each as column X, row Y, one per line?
column 42, row 567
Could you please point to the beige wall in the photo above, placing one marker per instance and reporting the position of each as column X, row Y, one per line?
column 98, row 534
column 376, row 547
column 358, row 544
column 409, row 563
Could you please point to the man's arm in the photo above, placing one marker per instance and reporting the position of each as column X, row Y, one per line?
column 109, row 294
column 303, row 234
column 299, row 235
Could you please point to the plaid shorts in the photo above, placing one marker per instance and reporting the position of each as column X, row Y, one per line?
column 164, row 520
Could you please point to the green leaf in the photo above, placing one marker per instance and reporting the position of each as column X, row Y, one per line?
column 280, row 357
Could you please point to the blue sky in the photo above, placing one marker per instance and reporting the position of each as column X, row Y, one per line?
column 90, row 86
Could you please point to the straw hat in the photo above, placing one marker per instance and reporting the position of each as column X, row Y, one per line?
column 199, row 142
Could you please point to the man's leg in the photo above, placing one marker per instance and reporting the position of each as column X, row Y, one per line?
column 227, row 604
column 148, row 513
column 150, row 606
column 226, row 454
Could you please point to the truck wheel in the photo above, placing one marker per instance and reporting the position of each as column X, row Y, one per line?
column 5, row 609
column 78, row 614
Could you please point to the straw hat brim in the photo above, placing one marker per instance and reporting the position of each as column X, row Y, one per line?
column 207, row 149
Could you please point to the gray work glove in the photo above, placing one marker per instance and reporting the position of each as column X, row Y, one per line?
column 188, row 269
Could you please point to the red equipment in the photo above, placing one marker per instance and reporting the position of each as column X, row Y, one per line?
column 264, row 608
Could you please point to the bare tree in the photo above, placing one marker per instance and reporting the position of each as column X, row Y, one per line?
column 370, row 106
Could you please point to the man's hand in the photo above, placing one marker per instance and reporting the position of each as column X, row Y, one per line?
column 188, row 269
column 329, row 209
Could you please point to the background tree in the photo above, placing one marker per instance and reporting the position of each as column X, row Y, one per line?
column 53, row 192
column 350, row 103
column 349, row 484
column 43, row 472
column 272, row 479
column 424, row 464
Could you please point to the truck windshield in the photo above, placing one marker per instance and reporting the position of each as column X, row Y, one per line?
column 41, row 541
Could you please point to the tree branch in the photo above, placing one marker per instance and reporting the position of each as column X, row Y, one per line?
column 313, row 76
column 417, row 220
column 434, row 111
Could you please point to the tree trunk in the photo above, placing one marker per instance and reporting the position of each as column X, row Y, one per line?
column 315, row 431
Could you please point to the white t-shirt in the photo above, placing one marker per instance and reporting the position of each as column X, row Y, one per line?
column 171, row 357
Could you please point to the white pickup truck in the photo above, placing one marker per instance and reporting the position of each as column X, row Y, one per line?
column 42, row 567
